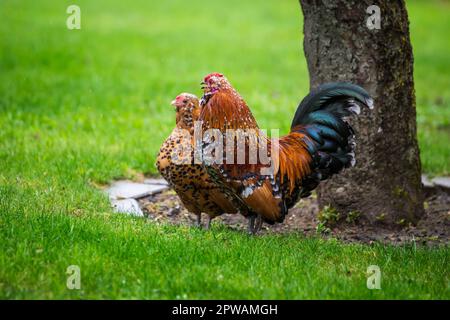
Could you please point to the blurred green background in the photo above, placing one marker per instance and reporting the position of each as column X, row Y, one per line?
column 81, row 107
column 101, row 94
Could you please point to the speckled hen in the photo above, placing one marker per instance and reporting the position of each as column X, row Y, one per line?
column 175, row 162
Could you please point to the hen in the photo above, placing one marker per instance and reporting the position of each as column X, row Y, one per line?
column 175, row 163
column 320, row 144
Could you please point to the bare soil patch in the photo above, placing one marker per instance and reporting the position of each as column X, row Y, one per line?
column 433, row 229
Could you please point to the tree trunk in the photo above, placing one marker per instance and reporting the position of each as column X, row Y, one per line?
column 385, row 185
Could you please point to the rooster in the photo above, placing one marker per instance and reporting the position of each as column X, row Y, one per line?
column 175, row 163
column 320, row 144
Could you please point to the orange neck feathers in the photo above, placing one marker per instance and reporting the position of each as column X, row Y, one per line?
column 226, row 109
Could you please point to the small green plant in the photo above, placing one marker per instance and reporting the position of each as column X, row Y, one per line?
column 381, row 217
column 399, row 192
column 329, row 216
column 321, row 228
column 352, row 217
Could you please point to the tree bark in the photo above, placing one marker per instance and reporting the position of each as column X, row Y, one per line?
column 385, row 185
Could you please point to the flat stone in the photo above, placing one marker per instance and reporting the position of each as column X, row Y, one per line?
column 127, row 206
column 442, row 182
column 156, row 181
column 128, row 189
column 427, row 182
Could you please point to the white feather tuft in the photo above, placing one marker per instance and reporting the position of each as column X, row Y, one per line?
column 369, row 103
column 247, row 192
column 354, row 107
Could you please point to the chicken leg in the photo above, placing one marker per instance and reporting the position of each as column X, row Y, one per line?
column 208, row 223
column 254, row 224
column 198, row 223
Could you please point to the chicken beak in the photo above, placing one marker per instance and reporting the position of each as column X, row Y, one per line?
column 203, row 85
column 174, row 103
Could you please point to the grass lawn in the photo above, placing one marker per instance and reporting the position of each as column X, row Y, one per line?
column 82, row 107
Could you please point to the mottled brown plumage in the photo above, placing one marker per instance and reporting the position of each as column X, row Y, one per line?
column 175, row 162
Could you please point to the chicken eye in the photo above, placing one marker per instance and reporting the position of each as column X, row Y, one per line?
column 184, row 101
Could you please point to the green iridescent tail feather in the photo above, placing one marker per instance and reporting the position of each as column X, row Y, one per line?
column 322, row 117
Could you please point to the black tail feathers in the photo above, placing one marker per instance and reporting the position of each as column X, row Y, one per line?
column 322, row 116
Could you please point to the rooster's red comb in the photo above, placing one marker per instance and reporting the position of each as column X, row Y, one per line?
column 214, row 74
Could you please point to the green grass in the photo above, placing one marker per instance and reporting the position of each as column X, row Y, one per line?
column 84, row 107
column 121, row 257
